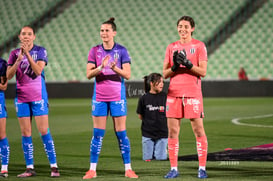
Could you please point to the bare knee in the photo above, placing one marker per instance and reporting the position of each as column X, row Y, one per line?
column 26, row 131
column 174, row 132
column 198, row 127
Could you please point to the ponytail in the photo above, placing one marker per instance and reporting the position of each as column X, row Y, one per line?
column 153, row 78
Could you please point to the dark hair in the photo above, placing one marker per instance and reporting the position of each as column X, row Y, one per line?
column 187, row 18
column 154, row 78
column 111, row 22
column 28, row 27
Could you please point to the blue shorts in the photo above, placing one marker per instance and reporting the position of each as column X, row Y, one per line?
column 116, row 108
column 28, row 109
column 3, row 110
column 154, row 149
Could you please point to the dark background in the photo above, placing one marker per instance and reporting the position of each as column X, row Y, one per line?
column 135, row 89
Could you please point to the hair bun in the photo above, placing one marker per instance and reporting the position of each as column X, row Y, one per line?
column 112, row 19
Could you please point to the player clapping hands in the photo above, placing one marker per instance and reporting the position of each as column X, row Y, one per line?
column 181, row 59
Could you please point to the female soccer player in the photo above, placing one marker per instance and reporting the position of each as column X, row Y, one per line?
column 151, row 110
column 4, row 144
column 109, row 63
column 28, row 63
column 185, row 62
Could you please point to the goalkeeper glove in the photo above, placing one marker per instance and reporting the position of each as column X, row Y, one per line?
column 175, row 64
column 182, row 59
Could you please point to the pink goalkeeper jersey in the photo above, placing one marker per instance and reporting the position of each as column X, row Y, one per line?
column 184, row 83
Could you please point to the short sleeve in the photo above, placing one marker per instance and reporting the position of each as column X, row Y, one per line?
column 42, row 55
column 167, row 55
column 12, row 58
column 125, row 56
column 91, row 56
column 203, row 52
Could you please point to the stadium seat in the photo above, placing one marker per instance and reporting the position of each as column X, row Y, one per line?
column 251, row 52
column 145, row 28
column 14, row 15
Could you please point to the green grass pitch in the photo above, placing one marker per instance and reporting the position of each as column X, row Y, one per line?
column 71, row 128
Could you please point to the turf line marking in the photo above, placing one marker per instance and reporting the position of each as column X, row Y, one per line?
column 237, row 121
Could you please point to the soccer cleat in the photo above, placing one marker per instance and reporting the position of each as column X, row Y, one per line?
column 202, row 173
column 4, row 174
column 130, row 174
column 90, row 174
column 55, row 172
column 172, row 174
column 28, row 173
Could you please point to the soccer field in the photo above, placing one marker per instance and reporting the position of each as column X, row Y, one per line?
column 71, row 126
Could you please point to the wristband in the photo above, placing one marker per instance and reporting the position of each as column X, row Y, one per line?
column 99, row 67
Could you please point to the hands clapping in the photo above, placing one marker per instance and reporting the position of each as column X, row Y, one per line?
column 182, row 59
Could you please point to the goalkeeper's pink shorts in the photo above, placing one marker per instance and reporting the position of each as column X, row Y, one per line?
column 184, row 107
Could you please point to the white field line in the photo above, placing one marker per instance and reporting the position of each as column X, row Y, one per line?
column 237, row 121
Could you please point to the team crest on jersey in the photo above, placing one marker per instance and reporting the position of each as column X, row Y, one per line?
column 192, row 50
column 116, row 56
column 34, row 55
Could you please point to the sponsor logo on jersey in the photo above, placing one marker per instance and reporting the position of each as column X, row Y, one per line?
column 155, row 108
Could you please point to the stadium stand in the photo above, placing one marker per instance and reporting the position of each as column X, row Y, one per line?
column 250, row 47
column 146, row 28
column 15, row 14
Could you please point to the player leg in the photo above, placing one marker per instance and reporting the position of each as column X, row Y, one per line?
column 25, row 125
column 99, row 112
column 160, row 151
column 48, row 142
column 147, row 148
column 118, row 111
column 124, row 145
column 174, row 114
column 40, row 111
column 4, row 147
column 24, row 117
column 4, row 144
column 195, row 112
column 201, row 145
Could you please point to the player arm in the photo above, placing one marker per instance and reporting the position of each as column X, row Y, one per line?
column 168, row 68
column 4, row 83
column 125, row 72
column 167, row 71
column 200, row 70
column 11, row 69
column 37, row 67
column 140, row 116
column 92, row 70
